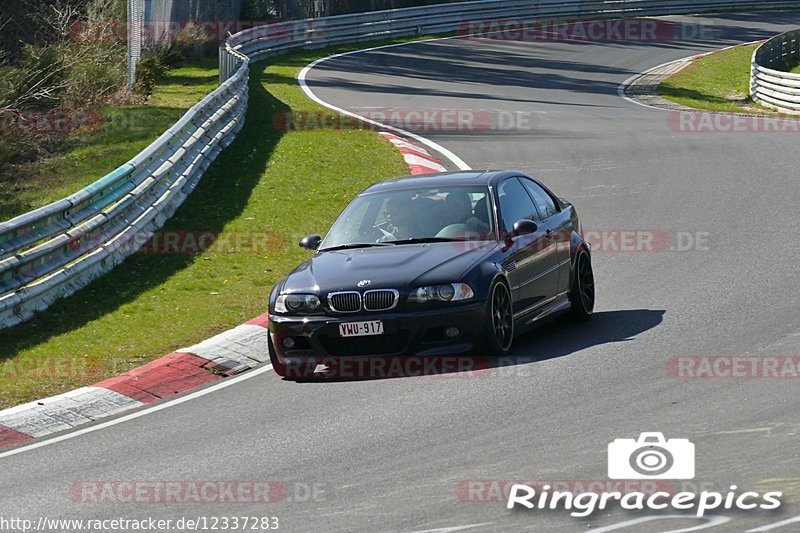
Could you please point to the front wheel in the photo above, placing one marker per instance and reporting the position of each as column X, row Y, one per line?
column 500, row 329
column 581, row 295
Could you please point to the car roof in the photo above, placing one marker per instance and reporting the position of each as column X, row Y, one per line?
column 440, row 179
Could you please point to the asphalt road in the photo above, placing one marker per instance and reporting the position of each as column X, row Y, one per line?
column 390, row 455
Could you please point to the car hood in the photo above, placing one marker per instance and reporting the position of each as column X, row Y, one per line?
column 398, row 267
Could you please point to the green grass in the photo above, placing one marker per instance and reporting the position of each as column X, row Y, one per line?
column 284, row 185
column 792, row 66
column 717, row 82
column 183, row 87
column 124, row 132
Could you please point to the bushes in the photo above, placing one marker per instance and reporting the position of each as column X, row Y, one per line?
column 97, row 77
column 55, row 76
column 36, row 81
column 12, row 149
column 148, row 70
column 71, row 76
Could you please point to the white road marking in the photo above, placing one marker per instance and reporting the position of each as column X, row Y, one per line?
column 712, row 522
column 412, row 159
column 775, row 525
column 301, row 78
column 451, row 529
column 624, row 85
column 158, row 407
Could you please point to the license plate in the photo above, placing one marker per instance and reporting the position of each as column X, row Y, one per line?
column 361, row 329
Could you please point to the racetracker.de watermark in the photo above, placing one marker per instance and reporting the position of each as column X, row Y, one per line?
column 45, row 367
column 69, row 121
column 61, row 121
column 177, row 492
column 196, row 491
column 181, row 242
column 610, row 30
column 715, row 122
column 734, row 367
column 462, row 121
column 385, row 367
column 601, row 240
column 646, row 241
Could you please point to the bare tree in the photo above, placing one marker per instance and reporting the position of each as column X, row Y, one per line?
column 51, row 58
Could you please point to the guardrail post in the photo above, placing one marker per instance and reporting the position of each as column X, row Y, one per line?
column 220, row 54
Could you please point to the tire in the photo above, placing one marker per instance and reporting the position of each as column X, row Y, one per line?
column 293, row 370
column 582, row 292
column 499, row 333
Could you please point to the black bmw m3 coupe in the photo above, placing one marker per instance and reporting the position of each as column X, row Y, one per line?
column 432, row 265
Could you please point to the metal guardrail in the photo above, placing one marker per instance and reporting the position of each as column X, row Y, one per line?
column 55, row 250
column 278, row 38
column 769, row 86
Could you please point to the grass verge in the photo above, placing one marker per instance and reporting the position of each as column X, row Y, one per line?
column 267, row 183
column 718, row 82
column 124, row 132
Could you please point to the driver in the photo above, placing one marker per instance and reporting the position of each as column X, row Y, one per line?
column 459, row 207
column 403, row 224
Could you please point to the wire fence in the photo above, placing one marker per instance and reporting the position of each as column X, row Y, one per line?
column 135, row 24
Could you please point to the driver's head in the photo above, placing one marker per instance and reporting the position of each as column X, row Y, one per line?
column 459, row 206
column 400, row 215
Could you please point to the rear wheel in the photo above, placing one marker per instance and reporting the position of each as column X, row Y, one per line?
column 289, row 370
column 581, row 295
column 500, row 328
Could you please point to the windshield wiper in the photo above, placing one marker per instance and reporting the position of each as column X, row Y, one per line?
column 421, row 240
column 353, row 245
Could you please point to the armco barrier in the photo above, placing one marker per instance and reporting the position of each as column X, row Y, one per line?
column 771, row 87
column 52, row 251
column 313, row 33
column 45, row 254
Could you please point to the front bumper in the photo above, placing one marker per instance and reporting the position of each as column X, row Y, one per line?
column 317, row 338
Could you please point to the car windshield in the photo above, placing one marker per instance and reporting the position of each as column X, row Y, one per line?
column 455, row 213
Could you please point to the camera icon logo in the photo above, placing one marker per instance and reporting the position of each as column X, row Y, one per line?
column 651, row 457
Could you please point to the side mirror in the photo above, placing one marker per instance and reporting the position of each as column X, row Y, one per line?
column 525, row 227
column 311, row 242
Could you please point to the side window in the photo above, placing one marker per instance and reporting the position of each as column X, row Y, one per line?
column 515, row 203
column 544, row 202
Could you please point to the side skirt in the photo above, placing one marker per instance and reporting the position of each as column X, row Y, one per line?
column 525, row 322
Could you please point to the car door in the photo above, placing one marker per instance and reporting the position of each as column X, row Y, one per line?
column 531, row 263
column 558, row 228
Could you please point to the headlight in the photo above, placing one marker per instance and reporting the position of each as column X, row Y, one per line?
column 297, row 303
column 449, row 292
